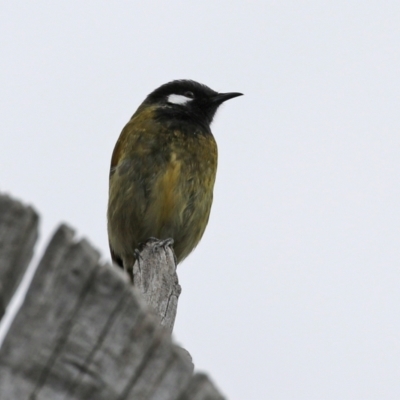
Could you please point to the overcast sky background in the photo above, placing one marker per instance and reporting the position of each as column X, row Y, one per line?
column 294, row 291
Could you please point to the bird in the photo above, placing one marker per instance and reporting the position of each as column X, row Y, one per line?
column 163, row 170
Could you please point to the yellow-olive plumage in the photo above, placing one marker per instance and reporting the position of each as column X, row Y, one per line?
column 163, row 171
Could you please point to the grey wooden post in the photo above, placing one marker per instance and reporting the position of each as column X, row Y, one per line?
column 154, row 274
column 83, row 332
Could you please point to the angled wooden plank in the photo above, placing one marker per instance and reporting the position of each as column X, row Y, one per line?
column 201, row 388
column 87, row 335
column 108, row 344
column 18, row 235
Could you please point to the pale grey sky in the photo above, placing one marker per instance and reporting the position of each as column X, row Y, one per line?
column 294, row 291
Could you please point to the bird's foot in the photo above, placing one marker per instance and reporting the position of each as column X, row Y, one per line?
column 165, row 242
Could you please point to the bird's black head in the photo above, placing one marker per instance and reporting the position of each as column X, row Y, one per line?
column 188, row 100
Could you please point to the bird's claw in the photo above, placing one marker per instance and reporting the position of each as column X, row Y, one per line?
column 165, row 242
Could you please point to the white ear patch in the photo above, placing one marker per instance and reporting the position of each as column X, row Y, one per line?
column 178, row 99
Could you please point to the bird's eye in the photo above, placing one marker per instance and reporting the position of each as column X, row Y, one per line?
column 189, row 94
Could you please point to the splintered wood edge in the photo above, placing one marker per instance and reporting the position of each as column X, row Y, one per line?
column 18, row 235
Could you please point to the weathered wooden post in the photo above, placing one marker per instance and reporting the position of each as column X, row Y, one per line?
column 154, row 274
column 83, row 332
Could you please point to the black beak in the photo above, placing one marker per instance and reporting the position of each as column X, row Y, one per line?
column 221, row 97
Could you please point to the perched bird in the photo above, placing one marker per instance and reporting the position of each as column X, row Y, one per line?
column 163, row 171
